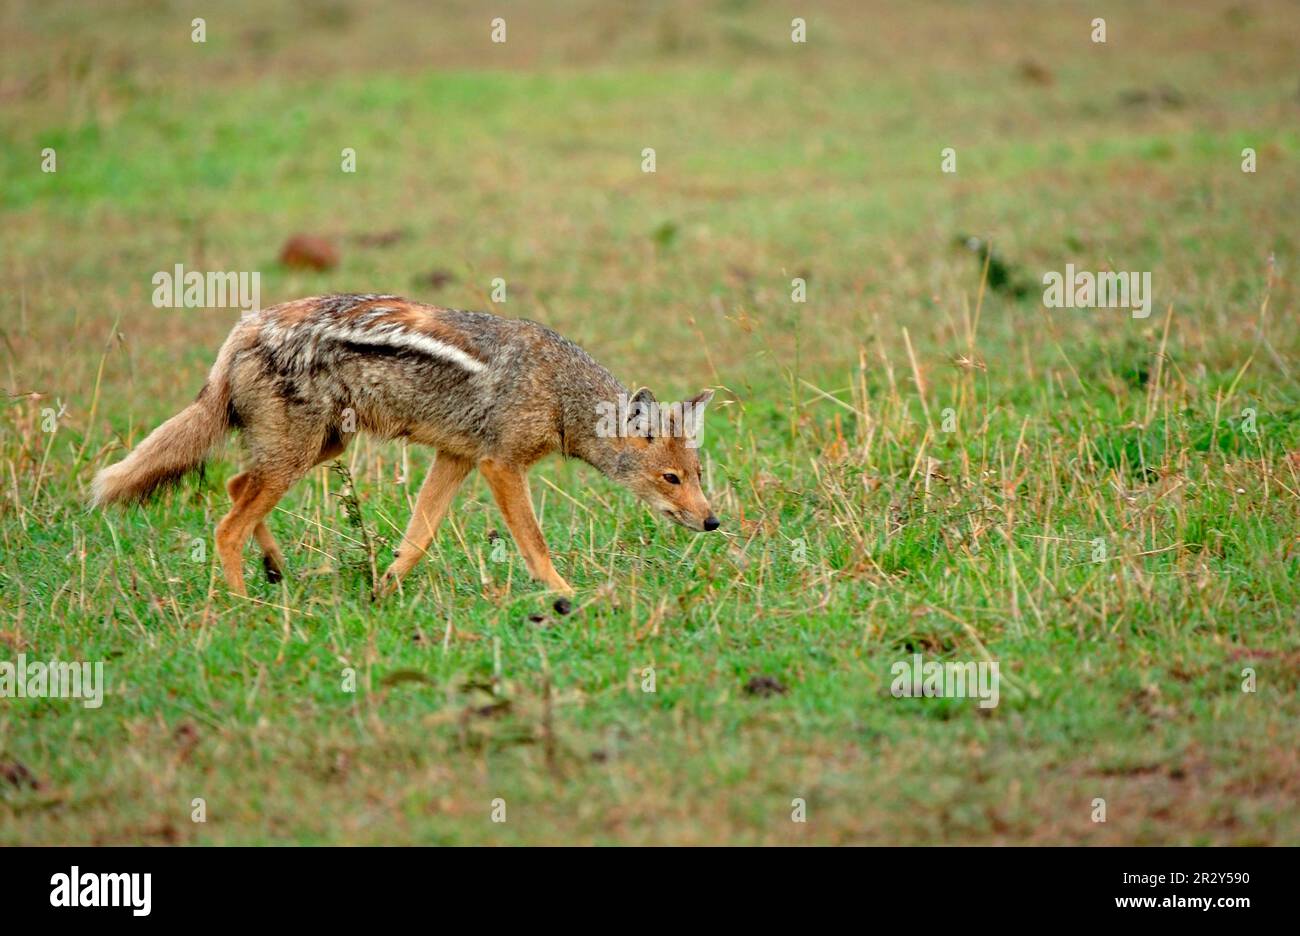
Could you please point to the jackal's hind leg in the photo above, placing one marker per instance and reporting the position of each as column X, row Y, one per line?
column 257, row 496
column 510, row 489
column 272, row 557
column 440, row 484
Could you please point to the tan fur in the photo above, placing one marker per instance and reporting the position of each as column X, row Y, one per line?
column 510, row 489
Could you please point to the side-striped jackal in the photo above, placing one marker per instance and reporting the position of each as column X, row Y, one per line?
column 299, row 379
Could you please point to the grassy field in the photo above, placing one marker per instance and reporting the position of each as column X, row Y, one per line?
column 914, row 460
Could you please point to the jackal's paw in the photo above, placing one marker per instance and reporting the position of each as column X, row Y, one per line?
column 274, row 574
column 387, row 584
column 561, row 587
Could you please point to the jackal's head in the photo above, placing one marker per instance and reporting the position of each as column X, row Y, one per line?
column 658, row 460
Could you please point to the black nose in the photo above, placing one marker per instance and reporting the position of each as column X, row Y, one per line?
column 712, row 523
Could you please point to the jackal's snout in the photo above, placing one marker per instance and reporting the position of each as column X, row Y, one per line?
column 689, row 507
column 670, row 484
column 699, row 520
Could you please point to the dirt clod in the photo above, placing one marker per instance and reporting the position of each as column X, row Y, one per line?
column 764, row 686
column 15, row 773
column 305, row 251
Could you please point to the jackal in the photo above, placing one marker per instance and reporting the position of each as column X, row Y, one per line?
column 299, row 379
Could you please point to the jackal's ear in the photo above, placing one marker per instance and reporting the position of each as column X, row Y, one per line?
column 641, row 396
column 692, row 417
column 701, row 399
column 640, row 410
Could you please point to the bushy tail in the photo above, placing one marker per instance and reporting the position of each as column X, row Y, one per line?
column 175, row 448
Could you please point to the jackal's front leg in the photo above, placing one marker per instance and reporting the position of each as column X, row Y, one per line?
column 510, row 488
column 440, row 485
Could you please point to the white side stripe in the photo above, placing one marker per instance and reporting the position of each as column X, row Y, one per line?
column 395, row 336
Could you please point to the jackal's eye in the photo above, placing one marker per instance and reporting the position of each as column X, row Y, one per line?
column 672, row 478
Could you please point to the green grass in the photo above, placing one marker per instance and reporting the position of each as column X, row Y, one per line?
column 856, row 530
